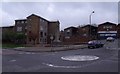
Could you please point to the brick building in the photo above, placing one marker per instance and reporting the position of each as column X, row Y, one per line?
column 107, row 29
column 69, row 35
column 53, row 31
column 118, row 30
column 20, row 26
column 61, row 38
column 5, row 31
column 89, row 32
column 70, row 31
column 77, row 35
column 37, row 29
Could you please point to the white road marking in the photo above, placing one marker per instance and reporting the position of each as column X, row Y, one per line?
column 51, row 65
column 21, row 53
column 80, row 58
column 28, row 53
column 32, row 53
column 12, row 60
column 19, row 47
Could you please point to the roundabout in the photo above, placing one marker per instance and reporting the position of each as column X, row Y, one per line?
column 80, row 58
column 74, row 58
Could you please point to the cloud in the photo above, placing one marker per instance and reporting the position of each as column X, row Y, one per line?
column 68, row 13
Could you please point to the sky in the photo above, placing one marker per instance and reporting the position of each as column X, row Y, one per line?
column 68, row 13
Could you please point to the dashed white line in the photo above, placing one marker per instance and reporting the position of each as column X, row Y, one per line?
column 12, row 60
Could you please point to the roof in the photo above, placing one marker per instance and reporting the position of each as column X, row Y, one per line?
column 37, row 16
column 70, row 28
column 54, row 22
column 33, row 15
column 107, row 23
column 21, row 20
column 8, row 27
column 88, row 26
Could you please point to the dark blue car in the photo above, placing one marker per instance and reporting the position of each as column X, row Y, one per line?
column 95, row 44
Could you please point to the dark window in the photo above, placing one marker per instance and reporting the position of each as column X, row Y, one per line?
column 30, row 39
column 45, row 34
column 45, row 40
column 25, row 30
column 41, row 33
column 68, row 33
column 29, row 32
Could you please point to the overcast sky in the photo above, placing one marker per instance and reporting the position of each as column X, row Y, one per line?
column 68, row 13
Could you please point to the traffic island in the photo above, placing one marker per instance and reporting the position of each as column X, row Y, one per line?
column 50, row 49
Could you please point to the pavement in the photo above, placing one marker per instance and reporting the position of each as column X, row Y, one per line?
column 50, row 49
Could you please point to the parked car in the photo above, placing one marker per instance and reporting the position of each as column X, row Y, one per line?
column 110, row 39
column 95, row 44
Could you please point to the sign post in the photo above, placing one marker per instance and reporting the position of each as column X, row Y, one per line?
column 51, row 38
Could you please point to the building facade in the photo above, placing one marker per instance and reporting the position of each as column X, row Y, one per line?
column 70, row 31
column 89, row 32
column 118, row 30
column 53, row 31
column 37, row 29
column 69, row 35
column 78, row 35
column 107, row 29
column 7, row 33
column 21, row 26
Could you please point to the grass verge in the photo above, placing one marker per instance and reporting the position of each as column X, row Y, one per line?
column 10, row 45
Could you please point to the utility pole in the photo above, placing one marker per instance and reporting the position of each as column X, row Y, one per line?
column 90, row 18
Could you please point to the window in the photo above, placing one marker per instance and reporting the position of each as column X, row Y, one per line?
column 25, row 21
column 22, row 22
column 83, row 29
column 29, row 26
column 29, row 32
column 19, row 29
column 43, row 21
column 84, row 34
column 18, row 22
column 68, row 30
column 30, row 19
column 45, row 34
column 40, row 19
column 30, row 39
column 102, row 34
column 45, row 40
column 104, row 27
column 25, row 33
column 41, row 33
column 25, row 27
column 41, row 28
column 107, row 27
column 40, row 39
column 67, row 37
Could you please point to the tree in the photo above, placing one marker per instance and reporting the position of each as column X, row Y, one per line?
column 8, row 37
column 20, row 38
column 34, row 37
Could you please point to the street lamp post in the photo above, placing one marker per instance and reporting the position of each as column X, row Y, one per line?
column 90, row 17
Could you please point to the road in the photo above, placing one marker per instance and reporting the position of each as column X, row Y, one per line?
column 18, row 61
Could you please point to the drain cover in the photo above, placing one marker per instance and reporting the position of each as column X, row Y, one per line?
column 80, row 58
